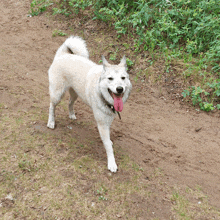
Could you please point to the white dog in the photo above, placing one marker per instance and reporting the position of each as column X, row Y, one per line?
column 103, row 87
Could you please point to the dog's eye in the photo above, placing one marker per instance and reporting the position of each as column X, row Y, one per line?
column 110, row 78
column 123, row 77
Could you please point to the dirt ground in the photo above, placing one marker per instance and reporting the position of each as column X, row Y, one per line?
column 156, row 131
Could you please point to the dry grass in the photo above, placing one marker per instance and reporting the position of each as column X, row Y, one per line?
column 46, row 175
column 192, row 204
column 51, row 176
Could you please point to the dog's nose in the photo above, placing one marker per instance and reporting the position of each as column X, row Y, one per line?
column 119, row 89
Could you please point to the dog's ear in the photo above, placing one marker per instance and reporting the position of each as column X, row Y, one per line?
column 123, row 62
column 105, row 62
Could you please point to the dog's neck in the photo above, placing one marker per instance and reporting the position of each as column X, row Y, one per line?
column 111, row 107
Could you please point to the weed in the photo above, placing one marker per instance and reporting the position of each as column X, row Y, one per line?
column 101, row 192
column 129, row 62
column 60, row 11
column 102, row 198
column 181, row 205
column 58, row 33
column 113, row 56
column 26, row 165
column 200, row 96
column 39, row 6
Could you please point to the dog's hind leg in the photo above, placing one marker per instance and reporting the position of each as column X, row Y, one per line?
column 51, row 119
column 55, row 97
column 73, row 97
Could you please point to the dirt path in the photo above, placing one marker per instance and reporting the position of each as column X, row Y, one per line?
column 155, row 131
column 184, row 143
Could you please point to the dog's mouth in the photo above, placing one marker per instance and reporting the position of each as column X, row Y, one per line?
column 117, row 95
column 118, row 103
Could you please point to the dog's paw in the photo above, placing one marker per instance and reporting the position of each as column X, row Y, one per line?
column 51, row 124
column 112, row 166
column 72, row 116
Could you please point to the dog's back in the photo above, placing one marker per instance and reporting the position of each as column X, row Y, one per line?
column 70, row 68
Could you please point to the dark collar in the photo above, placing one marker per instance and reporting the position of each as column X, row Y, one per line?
column 111, row 107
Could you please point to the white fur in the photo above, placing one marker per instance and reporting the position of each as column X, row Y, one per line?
column 83, row 78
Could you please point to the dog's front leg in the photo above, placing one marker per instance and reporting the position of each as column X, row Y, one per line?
column 104, row 131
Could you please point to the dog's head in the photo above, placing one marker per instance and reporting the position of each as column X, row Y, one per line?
column 114, row 81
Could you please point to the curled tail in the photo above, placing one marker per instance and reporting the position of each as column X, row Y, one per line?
column 73, row 45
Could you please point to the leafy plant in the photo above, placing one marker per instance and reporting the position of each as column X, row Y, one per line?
column 102, row 192
column 215, row 85
column 58, row 32
column 205, row 106
column 113, row 55
column 197, row 95
column 39, row 6
column 129, row 62
column 185, row 93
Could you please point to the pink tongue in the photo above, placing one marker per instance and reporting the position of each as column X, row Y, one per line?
column 118, row 104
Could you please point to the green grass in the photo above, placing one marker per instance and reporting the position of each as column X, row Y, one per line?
column 58, row 33
column 171, row 31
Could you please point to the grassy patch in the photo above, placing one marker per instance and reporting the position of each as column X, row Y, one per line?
column 45, row 175
column 192, row 204
column 168, row 31
column 58, row 33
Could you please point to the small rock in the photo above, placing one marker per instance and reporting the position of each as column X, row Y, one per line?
column 198, row 129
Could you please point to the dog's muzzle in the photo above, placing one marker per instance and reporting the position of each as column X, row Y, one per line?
column 119, row 93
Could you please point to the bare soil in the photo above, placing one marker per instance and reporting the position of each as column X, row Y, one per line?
column 175, row 146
